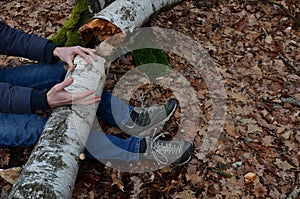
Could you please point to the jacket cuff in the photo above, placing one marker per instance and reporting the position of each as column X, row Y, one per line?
column 48, row 53
column 38, row 100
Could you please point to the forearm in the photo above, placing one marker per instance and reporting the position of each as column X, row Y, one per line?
column 18, row 43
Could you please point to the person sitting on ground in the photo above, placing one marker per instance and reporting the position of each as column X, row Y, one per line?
column 32, row 87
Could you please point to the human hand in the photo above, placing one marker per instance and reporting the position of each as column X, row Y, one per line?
column 67, row 54
column 58, row 96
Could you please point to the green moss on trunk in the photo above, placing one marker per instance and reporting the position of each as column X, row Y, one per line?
column 152, row 62
column 68, row 35
column 144, row 57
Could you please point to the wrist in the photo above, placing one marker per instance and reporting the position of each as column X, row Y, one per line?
column 38, row 100
column 56, row 52
column 49, row 53
column 50, row 102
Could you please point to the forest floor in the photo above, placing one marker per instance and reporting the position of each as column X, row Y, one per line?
column 255, row 46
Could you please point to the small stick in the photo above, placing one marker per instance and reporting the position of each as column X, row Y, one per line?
column 291, row 101
column 219, row 171
column 294, row 194
column 291, row 64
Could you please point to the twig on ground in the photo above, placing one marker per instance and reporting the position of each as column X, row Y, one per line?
column 291, row 100
column 290, row 15
column 290, row 64
column 122, row 72
column 296, row 191
column 294, row 194
column 219, row 171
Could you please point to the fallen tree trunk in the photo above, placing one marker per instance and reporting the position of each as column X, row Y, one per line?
column 53, row 165
column 123, row 16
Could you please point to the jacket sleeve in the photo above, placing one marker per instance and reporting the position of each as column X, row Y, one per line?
column 17, row 99
column 14, row 99
column 18, row 43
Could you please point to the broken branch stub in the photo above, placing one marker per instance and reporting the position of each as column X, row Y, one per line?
column 123, row 16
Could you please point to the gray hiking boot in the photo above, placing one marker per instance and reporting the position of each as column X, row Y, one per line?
column 142, row 119
column 168, row 152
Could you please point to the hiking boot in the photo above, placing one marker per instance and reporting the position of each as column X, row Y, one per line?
column 168, row 152
column 142, row 119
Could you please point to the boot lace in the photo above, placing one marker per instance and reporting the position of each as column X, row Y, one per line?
column 149, row 110
column 160, row 150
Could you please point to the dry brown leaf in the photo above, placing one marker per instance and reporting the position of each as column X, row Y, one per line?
column 267, row 140
column 260, row 191
column 230, row 128
column 137, row 184
column 254, row 128
column 10, row 175
column 5, row 191
column 4, row 157
column 290, row 145
column 116, row 180
column 235, row 186
column 269, row 39
column 284, row 165
column 238, row 96
column 275, row 194
column 152, row 177
column 186, row 194
column 91, row 195
column 243, row 110
column 196, row 179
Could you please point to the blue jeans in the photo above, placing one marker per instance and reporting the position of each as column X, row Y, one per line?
column 25, row 129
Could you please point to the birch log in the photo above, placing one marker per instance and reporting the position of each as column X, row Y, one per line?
column 123, row 16
column 97, row 5
column 53, row 165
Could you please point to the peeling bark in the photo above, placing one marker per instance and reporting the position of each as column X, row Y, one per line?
column 53, row 165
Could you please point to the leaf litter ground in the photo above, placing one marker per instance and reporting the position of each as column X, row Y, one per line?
column 256, row 48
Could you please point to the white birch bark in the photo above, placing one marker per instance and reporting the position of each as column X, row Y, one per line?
column 130, row 14
column 53, row 165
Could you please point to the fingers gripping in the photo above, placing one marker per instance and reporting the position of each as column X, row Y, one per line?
column 61, row 86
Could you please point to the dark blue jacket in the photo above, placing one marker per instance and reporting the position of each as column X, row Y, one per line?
column 16, row 99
